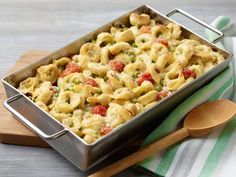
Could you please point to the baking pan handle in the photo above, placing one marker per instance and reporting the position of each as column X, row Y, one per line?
column 26, row 122
column 221, row 34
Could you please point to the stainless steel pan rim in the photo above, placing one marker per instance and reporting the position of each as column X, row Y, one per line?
column 172, row 12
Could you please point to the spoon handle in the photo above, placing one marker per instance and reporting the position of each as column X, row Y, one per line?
column 142, row 154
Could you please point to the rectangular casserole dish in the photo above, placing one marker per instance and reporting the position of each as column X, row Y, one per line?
column 63, row 140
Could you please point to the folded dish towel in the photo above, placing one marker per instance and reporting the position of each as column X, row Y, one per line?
column 211, row 155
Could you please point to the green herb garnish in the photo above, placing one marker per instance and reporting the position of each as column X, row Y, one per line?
column 135, row 75
column 99, row 92
column 158, row 88
column 105, row 78
column 77, row 81
column 143, row 40
column 162, row 82
column 133, row 59
column 134, row 45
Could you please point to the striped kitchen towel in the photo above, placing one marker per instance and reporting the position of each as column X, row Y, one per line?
column 212, row 155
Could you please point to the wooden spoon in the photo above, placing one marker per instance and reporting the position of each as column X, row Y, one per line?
column 200, row 121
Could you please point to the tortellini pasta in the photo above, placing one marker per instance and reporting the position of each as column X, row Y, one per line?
column 125, row 36
column 61, row 63
column 29, row 85
column 117, row 75
column 43, row 93
column 91, row 50
column 48, row 73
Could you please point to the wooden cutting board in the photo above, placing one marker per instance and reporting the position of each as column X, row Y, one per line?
column 12, row 131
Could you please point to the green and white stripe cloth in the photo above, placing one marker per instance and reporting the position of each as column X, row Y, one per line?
column 212, row 155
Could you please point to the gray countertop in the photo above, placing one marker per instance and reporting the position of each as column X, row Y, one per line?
column 50, row 25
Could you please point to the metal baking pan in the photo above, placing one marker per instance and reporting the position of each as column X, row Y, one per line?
column 72, row 147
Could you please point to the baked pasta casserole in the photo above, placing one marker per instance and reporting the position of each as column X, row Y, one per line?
column 118, row 75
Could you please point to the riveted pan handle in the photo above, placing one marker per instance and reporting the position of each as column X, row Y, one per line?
column 29, row 124
column 221, row 34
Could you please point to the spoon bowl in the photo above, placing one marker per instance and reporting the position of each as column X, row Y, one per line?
column 202, row 119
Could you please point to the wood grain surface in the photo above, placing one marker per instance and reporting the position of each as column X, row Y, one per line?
column 49, row 25
column 12, row 131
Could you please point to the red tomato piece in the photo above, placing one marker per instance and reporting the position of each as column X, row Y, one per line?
column 145, row 29
column 187, row 73
column 105, row 130
column 161, row 94
column 116, row 65
column 71, row 68
column 100, row 109
column 91, row 82
column 163, row 41
column 145, row 77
